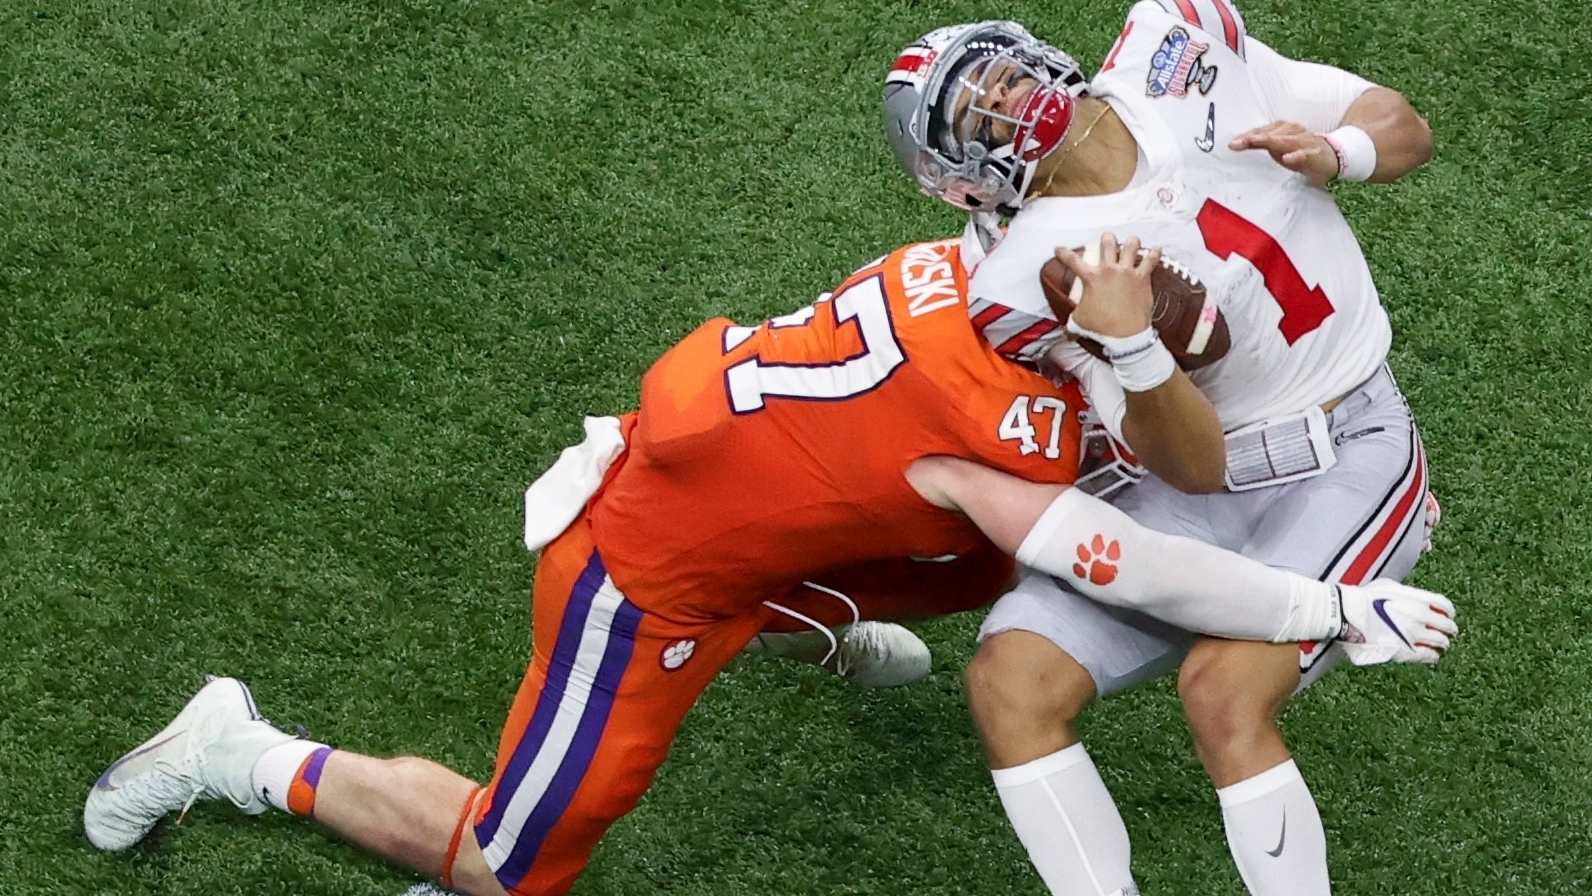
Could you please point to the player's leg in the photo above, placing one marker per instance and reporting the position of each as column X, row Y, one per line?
column 408, row 810
column 1361, row 520
column 608, row 686
column 1232, row 692
column 1044, row 655
column 219, row 747
column 564, row 772
column 849, row 621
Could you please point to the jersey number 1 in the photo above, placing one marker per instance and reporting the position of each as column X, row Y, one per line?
column 1228, row 233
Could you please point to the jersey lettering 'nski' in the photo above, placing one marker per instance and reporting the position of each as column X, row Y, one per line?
column 799, row 432
column 1276, row 253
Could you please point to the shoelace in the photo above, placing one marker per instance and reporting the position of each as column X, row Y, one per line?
column 858, row 642
column 196, row 763
column 157, row 793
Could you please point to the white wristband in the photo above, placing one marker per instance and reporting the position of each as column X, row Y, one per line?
column 1146, row 369
column 1141, row 361
column 1356, row 152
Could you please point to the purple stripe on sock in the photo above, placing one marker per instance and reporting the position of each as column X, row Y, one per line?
column 312, row 768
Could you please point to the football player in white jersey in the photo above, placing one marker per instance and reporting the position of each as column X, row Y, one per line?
column 1198, row 138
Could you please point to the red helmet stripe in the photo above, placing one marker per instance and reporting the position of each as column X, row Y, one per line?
column 914, row 60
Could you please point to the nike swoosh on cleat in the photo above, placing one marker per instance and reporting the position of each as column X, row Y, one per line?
column 1377, row 606
column 1274, row 853
column 104, row 782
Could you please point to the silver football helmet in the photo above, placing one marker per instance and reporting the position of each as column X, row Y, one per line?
column 942, row 123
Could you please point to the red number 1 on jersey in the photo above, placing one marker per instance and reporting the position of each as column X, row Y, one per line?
column 1227, row 234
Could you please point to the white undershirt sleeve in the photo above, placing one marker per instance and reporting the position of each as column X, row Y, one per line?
column 1307, row 93
column 1098, row 380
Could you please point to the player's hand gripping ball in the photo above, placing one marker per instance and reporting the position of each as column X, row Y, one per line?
column 1186, row 317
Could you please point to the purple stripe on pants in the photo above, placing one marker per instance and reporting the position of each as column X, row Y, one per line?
column 570, row 629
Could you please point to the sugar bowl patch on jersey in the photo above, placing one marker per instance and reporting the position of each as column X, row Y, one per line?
column 1177, row 66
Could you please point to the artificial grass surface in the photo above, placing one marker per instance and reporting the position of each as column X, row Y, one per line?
column 295, row 299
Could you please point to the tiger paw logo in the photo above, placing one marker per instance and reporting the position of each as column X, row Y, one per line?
column 1097, row 561
column 675, row 655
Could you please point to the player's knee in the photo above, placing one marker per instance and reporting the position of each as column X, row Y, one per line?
column 1231, row 692
column 1020, row 680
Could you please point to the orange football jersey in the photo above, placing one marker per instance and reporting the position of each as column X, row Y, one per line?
column 765, row 456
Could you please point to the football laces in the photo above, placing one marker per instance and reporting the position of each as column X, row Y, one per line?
column 1176, row 267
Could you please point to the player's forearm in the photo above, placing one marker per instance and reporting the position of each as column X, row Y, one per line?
column 1174, row 432
column 1106, row 556
column 1403, row 138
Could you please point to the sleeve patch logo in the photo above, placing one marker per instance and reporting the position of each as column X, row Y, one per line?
column 1097, row 561
column 1176, row 67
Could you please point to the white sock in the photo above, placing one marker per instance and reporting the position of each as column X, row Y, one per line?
column 276, row 768
column 1069, row 824
column 1275, row 833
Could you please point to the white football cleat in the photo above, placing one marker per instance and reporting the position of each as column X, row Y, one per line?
column 1386, row 621
column 207, row 752
column 880, row 655
column 870, row 654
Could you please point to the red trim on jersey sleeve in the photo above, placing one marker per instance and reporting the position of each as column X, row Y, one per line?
column 1111, row 58
column 1229, row 26
column 1190, row 14
column 1021, row 341
column 988, row 316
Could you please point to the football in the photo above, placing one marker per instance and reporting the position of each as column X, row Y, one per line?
column 1186, row 317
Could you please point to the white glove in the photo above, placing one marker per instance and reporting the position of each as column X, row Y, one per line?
column 1385, row 621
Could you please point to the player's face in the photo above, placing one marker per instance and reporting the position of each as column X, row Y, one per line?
column 988, row 106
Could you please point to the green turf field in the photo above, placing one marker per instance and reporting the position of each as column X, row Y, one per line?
column 295, row 298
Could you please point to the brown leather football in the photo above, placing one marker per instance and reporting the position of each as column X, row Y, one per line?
column 1191, row 326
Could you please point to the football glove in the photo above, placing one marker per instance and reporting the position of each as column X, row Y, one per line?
column 1386, row 622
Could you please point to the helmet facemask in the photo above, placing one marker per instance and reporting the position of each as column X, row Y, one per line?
column 992, row 101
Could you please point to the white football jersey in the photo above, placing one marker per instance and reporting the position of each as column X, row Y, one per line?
column 1274, row 251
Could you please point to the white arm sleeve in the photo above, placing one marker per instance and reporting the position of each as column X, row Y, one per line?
column 1098, row 550
column 1307, row 93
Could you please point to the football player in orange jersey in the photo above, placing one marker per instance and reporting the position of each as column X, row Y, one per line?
column 768, row 468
